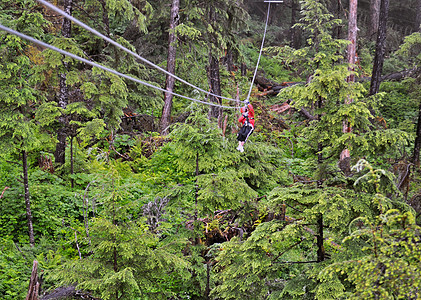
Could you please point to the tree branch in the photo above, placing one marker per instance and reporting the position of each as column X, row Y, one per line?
column 1, row 196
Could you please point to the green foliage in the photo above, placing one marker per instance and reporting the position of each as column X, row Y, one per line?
column 398, row 106
column 226, row 178
column 135, row 224
column 388, row 259
column 125, row 260
column 19, row 129
column 14, row 271
column 332, row 98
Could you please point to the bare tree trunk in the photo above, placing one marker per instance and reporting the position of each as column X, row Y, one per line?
column 335, row 10
column 374, row 18
column 294, row 32
column 320, row 239
column 34, row 284
column 418, row 17
column 60, row 153
column 72, row 183
column 215, row 86
column 352, row 37
column 27, row 198
column 417, row 144
column 380, row 48
column 197, row 187
column 207, row 289
column 213, row 73
column 345, row 157
column 170, row 81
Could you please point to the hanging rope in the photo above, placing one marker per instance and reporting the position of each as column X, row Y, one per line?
column 260, row 53
column 40, row 43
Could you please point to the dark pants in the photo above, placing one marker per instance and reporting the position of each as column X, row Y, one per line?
column 244, row 133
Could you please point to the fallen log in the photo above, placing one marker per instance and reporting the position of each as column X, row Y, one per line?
column 280, row 108
column 268, row 87
column 401, row 75
column 68, row 292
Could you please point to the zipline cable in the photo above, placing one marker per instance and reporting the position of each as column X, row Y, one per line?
column 83, row 25
column 40, row 43
column 260, row 53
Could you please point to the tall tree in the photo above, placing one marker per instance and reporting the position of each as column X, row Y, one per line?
column 213, row 65
column 20, row 101
column 170, row 81
column 217, row 21
column 294, row 32
column 63, row 97
column 410, row 50
column 418, row 17
column 374, row 18
column 345, row 157
column 124, row 260
column 380, row 48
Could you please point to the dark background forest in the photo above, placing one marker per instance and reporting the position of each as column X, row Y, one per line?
column 131, row 187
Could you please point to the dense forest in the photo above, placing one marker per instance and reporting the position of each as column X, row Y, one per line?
column 120, row 176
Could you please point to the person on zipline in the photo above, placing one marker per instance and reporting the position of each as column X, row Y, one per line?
column 247, row 121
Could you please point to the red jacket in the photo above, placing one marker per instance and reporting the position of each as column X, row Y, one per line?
column 242, row 119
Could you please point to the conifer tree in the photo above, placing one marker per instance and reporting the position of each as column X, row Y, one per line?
column 297, row 242
column 410, row 51
column 327, row 90
column 171, row 60
column 63, row 97
column 20, row 127
column 216, row 21
column 98, row 98
column 124, row 260
column 381, row 255
column 202, row 150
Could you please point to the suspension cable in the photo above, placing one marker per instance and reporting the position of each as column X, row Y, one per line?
column 40, row 43
column 260, row 53
column 83, row 25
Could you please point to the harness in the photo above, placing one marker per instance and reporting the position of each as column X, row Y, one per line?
column 247, row 123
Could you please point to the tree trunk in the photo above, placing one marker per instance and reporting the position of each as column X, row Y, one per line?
column 345, row 157
column 207, row 289
column 60, row 153
column 418, row 17
column 294, row 32
column 352, row 37
column 374, row 18
column 197, row 187
column 27, row 200
column 320, row 239
column 380, row 48
column 34, row 284
column 71, row 162
column 335, row 9
column 170, row 81
column 417, row 144
column 215, row 86
column 229, row 60
column 213, row 72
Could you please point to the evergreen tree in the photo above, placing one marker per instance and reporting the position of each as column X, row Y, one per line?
column 124, row 259
column 20, row 129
